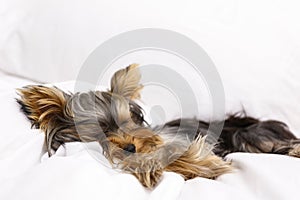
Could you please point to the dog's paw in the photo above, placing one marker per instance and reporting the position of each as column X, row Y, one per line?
column 295, row 152
column 148, row 172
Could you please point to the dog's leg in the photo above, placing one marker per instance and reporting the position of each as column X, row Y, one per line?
column 145, row 167
column 199, row 161
column 148, row 172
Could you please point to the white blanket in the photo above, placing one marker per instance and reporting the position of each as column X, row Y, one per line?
column 80, row 171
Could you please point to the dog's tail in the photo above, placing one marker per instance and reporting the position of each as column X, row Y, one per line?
column 126, row 82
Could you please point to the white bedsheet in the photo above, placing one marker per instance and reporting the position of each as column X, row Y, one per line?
column 79, row 171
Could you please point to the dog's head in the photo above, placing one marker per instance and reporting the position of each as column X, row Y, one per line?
column 83, row 116
column 111, row 117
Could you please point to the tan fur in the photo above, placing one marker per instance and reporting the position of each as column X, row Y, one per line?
column 125, row 82
column 295, row 151
column 145, row 168
column 115, row 121
column 147, row 165
column 199, row 161
column 144, row 140
column 42, row 103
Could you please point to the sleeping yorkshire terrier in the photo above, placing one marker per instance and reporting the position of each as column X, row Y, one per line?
column 116, row 121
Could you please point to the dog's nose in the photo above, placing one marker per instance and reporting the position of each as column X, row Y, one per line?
column 130, row 148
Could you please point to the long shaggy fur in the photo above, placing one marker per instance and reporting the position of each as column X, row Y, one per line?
column 46, row 108
column 116, row 121
column 127, row 84
column 199, row 161
column 242, row 133
column 81, row 116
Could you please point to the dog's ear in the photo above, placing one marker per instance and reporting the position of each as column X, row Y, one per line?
column 40, row 104
column 126, row 82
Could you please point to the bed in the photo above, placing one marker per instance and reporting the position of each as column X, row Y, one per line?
column 257, row 58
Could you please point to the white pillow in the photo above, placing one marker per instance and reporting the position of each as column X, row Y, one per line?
column 254, row 45
column 49, row 40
